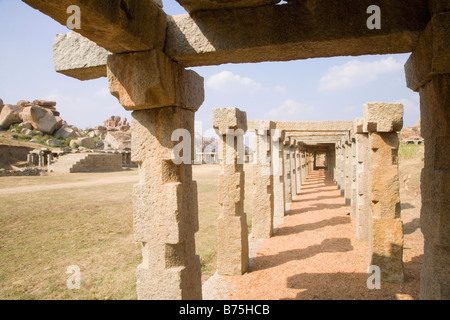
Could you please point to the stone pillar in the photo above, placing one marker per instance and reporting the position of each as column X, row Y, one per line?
column 41, row 162
column 298, row 166
column 287, row 171
column 353, row 177
column 233, row 251
column 348, row 172
column 278, row 176
column 164, row 98
column 428, row 72
column 382, row 121
column 362, row 182
column 293, row 169
column 263, row 200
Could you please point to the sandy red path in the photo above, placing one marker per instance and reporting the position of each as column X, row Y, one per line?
column 315, row 254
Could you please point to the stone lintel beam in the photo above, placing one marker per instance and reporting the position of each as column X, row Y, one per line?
column 150, row 79
column 300, row 135
column 78, row 57
column 197, row 5
column 430, row 57
column 298, row 30
column 116, row 25
column 383, row 117
column 313, row 126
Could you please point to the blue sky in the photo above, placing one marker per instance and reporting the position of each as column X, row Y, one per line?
column 304, row 90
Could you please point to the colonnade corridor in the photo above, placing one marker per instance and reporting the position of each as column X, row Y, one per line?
column 314, row 254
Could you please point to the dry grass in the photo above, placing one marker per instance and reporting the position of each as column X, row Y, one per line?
column 43, row 233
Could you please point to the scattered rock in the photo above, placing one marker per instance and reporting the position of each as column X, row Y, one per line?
column 26, row 131
column 54, row 143
column 83, row 142
column 118, row 140
column 65, row 132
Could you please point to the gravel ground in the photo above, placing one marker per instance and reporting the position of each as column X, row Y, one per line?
column 315, row 254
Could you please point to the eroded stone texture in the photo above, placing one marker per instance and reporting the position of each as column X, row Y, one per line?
column 383, row 117
column 278, row 138
column 233, row 250
column 117, row 25
column 386, row 239
column 146, row 80
column 165, row 208
column 78, row 57
column 299, row 30
column 287, row 171
column 299, row 167
column 348, row 172
column 263, row 199
column 293, row 169
column 362, row 182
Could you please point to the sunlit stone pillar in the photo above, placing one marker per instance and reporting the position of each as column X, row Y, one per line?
column 298, row 166
column 362, row 182
column 293, row 169
column 278, row 176
column 233, row 251
column 287, row 170
column 263, row 199
column 383, row 121
column 164, row 98
column 428, row 72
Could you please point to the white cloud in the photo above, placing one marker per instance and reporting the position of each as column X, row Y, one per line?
column 103, row 92
column 227, row 81
column 289, row 108
column 355, row 73
column 279, row 89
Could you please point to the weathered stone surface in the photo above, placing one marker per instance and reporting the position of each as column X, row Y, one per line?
column 65, row 132
column 386, row 239
column 430, row 57
column 308, row 126
column 118, row 26
column 86, row 142
column 118, row 140
column 299, row 30
column 228, row 120
column 435, row 188
column 196, row 5
column 277, row 154
column 165, row 208
column 383, row 117
column 263, row 200
column 387, row 248
column 40, row 118
column 233, row 249
column 362, row 189
column 78, row 57
column 151, row 80
column 10, row 115
column 54, row 143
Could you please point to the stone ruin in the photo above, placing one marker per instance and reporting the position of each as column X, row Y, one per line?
column 164, row 96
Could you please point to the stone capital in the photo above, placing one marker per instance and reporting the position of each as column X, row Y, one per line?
column 383, row 117
column 150, row 79
column 229, row 121
column 430, row 56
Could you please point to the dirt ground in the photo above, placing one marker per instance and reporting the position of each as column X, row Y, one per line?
column 315, row 253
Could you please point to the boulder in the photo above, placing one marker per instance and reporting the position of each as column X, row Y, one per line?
column 44, row 103
column 26, row 131
column 65, row 132
column 24, row 103
column 1, row 105
column 26, row 125
column 10, row 115
column 40, row 118
column 83, row 142
column 118, row 140
column 54, row 143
